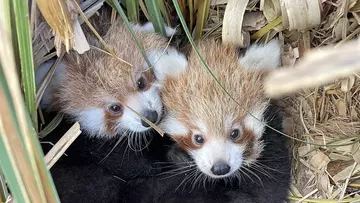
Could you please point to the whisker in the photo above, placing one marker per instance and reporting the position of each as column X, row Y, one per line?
column 268, row 167
column 176, row 174
column 187, row 178
column 247, row 175
column 196, row 180
column 114, row 147
column 254, row 175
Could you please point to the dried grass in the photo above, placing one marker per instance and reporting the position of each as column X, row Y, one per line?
column 326, row 115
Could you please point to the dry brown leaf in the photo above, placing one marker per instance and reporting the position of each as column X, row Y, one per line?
column 289, row 55
column 319, row 160
column 218, row 2
column 271, row 9
column 60, row 22
column 348, row 83
column 253, row 21
column 341, row 106
column 353, row 113
column 300, row 14
column 339, row 157
column 81, row 43
column 343, row 175
column 335, row 167
column 324, row 182
column 232, row 32
column 355, row 151
column 60, row 147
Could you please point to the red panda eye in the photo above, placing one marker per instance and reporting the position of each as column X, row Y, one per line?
column 235, row 134
column 115, row 108
column 141, row 83
column 198, row 139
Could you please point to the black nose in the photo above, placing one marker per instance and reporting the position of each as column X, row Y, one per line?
column 151, row 116
column 220, row 168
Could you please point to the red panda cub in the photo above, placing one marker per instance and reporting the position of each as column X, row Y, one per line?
column 219, row 135
column 95, row 88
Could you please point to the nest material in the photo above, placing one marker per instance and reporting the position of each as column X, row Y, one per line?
column 328, row 115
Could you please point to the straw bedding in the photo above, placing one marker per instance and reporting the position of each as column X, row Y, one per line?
column 327, row 115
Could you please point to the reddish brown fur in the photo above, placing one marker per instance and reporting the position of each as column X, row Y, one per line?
column 186, row 142
column 195, row 96
column 95, row 76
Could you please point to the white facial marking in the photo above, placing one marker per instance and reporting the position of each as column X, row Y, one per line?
column 92, row 121
column 216, row 150
column 262, row 56
column 55, row 82
column 172, row 126
column 256, row 124
column 169, row 63
column 149, row 27
column 140, row 102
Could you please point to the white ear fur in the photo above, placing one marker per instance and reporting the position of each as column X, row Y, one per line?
column 262, row 56
column 167, row 64
column 172, row 126
column 55, row 82
column 255, row 121
column 149, row 27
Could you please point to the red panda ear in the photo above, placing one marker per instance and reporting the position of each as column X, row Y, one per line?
column 149, row 27
column 173, row 126
column 265, row 56
column 167, row 64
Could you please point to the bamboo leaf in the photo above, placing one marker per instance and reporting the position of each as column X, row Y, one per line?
column 164, row 11
column 3, row 188
column 266, row 28
column 58, row 17
column 26, row 57
column 155, row 16
column 52, row 125
column 201, row 19
column 20, row 153
column 132, row 7
column 191, row 14
column 144, row 10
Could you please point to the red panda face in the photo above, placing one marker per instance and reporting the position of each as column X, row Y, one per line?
column 215, row 131
column 106, row 95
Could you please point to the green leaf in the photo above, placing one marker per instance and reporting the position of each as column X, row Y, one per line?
column 164, row 11
column 132, row 7
column 24, row 49
column 3, row 188
column 202, row 17
column 21, row 156
column 155, row 16
column 52, row 125
column 191, row 13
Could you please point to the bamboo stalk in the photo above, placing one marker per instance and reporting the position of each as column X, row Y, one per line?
column 20, row 152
